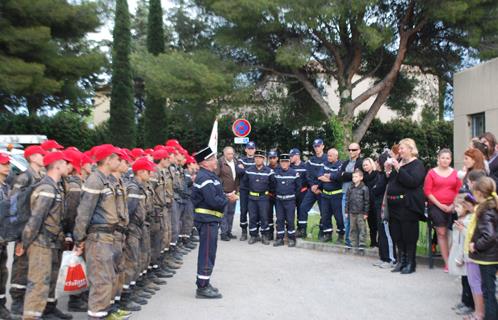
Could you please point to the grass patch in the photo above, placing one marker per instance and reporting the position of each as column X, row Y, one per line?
column 314, row 223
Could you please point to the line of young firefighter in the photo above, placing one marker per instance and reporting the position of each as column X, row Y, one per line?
column 127, row 211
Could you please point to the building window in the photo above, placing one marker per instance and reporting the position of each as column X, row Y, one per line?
column 478, row 124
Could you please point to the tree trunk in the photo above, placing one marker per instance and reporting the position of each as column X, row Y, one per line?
column 442, row 95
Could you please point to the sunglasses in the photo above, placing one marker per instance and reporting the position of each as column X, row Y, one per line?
column 353, row 149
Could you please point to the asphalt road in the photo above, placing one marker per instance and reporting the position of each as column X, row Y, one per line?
column 263, row 282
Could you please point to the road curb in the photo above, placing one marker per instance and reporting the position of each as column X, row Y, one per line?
column 369, row 252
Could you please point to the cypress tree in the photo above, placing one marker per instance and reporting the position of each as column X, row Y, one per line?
column 122, row 123
column 155, row 107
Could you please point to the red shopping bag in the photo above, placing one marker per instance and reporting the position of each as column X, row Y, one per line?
column 75, row 278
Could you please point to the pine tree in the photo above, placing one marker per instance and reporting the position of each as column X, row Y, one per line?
column 122, row 114
column 155, row 107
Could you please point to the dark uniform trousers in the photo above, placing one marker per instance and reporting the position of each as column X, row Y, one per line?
column 258, row 212
column 99, row 254
column 19, row 277
column 117, row 255
column 271, row 211
column 299, row 201
column 156, row 237
column 286, row 214
column 131, row 257
column 4, row 271
column 308, row 202
column 331, row 206
column 208, row 242
column 178, row 209
column 244, row 207
column 187, row 220
column 145, row 256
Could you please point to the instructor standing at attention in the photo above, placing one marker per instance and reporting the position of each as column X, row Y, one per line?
column 209, row 201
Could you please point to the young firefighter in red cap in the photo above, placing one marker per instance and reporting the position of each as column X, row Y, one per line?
column 160, row 228
column 116, row 180
column 42, row 239
column 96, row 222
column 4, row 271
column 137, row 210
column 51, row 146
column 18, row 280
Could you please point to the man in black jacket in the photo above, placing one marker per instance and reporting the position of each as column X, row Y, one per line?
column 348, row 167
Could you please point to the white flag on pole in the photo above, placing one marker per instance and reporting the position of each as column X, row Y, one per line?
column 213, row 139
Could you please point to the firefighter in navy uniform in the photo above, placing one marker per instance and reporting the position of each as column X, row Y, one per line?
column 243, row 164
column 209, row 200
column 314, row 165
column 272, row 164
column 300, row 167
column 331, row 197
column 286, row 183
column 257, row 178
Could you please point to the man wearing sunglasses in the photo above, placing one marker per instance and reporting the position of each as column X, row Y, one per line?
column 347, row 169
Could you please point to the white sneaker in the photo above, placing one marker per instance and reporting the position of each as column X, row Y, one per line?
column 387, row 265
column 378, row 263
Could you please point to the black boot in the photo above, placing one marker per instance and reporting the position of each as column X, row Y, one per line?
column 189, row 244
column 224, row 237
column 301, row 232
column 410, row 265
column 278, row 243
column 155, row 280
column 401, row 263
column 76, row 304
column 253, row 240
column 232, row 236
column 52, row 312
column 243, row 235
column 207, row 293
column 161, row 274
column 127, row 304
column 265, row 239
column 4, row 312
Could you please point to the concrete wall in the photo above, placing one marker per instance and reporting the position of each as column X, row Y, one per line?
column 475, row 91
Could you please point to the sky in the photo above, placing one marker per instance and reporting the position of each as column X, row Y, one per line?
column 105, row 32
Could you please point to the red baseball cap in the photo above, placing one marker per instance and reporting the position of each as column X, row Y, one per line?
column 4, row 158
column 103, row 151
column 123, row 155
column 51, row 144
column 149, row 151
column 172, row 143
column 86, row 159
column 54, row 156
column 170, row 150
column 74, row 158
column 31, row 150
column 160, row 154
column 190, row 159
column 143, row 164
column 137, row 152
column 73, row 149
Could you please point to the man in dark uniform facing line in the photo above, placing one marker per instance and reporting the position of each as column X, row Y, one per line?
column 209, row 200
column 300, row 167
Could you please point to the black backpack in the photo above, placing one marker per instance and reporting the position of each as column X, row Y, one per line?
column 15, row 218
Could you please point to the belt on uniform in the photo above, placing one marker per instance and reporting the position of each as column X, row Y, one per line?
column 258, row 194
column 209, row 212
column 121, row 229
column 331, row 193
column 285, row 197
column 102, row 228
column 401, row 196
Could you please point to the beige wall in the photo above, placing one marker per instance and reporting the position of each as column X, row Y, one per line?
column 475, row 91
